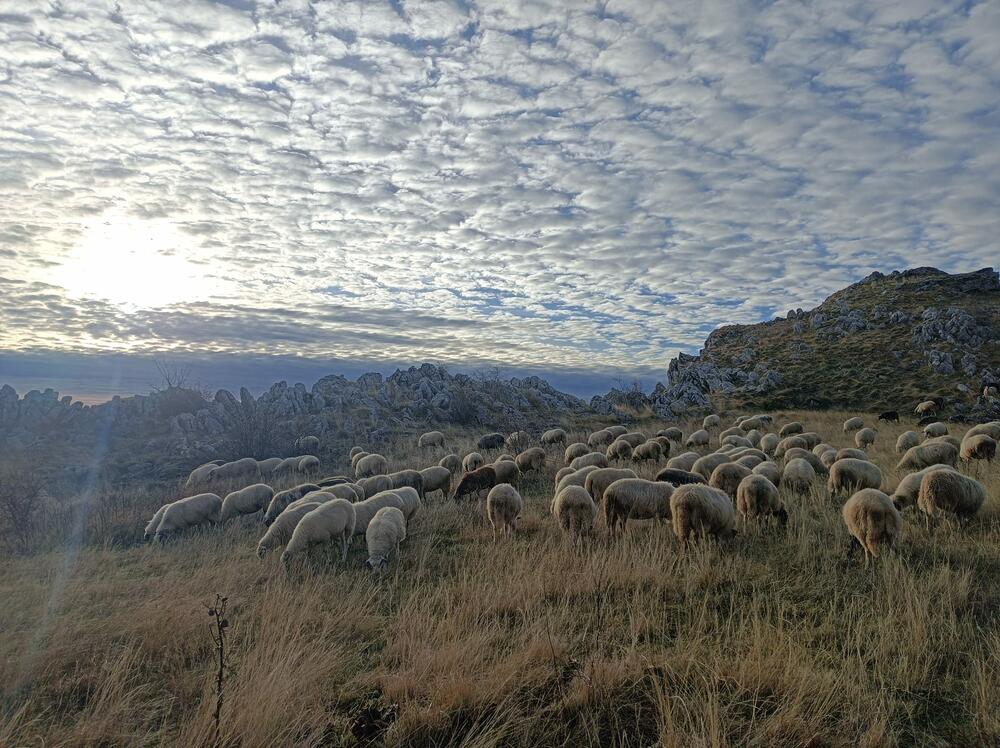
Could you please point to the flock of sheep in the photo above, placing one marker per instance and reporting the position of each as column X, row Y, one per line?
column 699, row 490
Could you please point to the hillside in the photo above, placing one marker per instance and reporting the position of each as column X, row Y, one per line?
column 883, row 343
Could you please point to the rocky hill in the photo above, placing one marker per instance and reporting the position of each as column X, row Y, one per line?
column 883, row 343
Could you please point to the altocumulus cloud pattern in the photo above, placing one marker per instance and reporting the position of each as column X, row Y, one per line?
column 584, row 184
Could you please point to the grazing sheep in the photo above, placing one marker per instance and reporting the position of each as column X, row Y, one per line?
column 519, row 440
column 926, row 408
column 201, row 474
column 822, row 447
column 308, row 465
column 864, row 438
column 335, row 480
column 436, row 478
column 189, row 512
column 383, row 535
column 754, row 437
column 619, row 450
column 151, row 526
column 346, row 491
column 727, row 477
column 701, row 510
column 490, row 441
column 770, row 471
column 239, row 469
column 816, row 462
column 617, row 430
column 828, row 458
column 307, row 445
column 507, row 471
column 906, row 440
column 906, row 492
column 756, row 496
column 978, row 447
column 927, row 454
column 562, row 472
column 649, row 451
column 531, row 460
column 711, row 422
column 754, row 422
column 375, row 485
column 574, row 478
column 430, row 439
column 699, row 438
column 283, row 498
column 937, row 428
column 503, row 507
column 732, row 431
column 684, row 461
column 354, row 452
column 577, row 449
column 769, row 443
column 326, row 523
column 404, row 499
column 600, row 438
column 791, row 429
column 788, row 443
column 592, row 458
column 850, row 453
column 889, row 416
column 411, row 478
column 736, row 441
column 946, row 439
column 798, row 475
column 679, row 477
column 853, row 424
column 635, row 498
column 873, row 522
column 369, row 465
column 249, row 500
column 672, row 433
column 280, row 531
column 554, row 436
column 266, row 468
column 474, row 481
column 597, row 481
column 666, row 446
column 452, row 462
column 575, row 510
column 991, row 429
column 950, row 491
column 706, row 465
column 811, row 438
column 358, row 456
column 850, row 475
column 472, row 461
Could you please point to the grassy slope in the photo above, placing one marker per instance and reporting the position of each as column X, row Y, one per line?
column 768, row 640
column 859, row 370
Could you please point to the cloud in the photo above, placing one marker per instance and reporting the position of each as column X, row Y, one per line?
column 558, row 185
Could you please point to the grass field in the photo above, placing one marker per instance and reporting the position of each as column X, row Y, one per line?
column 770, row 639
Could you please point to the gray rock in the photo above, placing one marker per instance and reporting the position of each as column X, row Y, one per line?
column 940, row 361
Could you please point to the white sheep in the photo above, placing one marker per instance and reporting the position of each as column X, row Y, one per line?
column 699, row 438
column 530, row 460
column 507, row 471
column 369, row 465
column 927, row 454
column 280, row 531
column 828, row 458
column 812, row 459
column 991, row 429
column 236, row 470
column 405, row 499
column 201, row 474
column 978, row 447
column 791, row 429
column 851, row 453
column 554, row 436
column 619, row 450
column 383, row 535
column 307, row 444
column 356, row 459
column 672, row 433
column 330, row 521
column 864, row 438
column 472, row 461
column 770, row 471
column 872, row 520
column 283, row 498
column 503, row 507
column 266, row 468
column 355, row 451
column 575, row 510
column 684, row 461
column 205, row 508
column 788, row 443
column 452, row 462
column 853, row 424
column 436, row 478
column 648, row 451
column 769, row 443
column 925, row 408
column 151, row 526
column 706, row 465
column 850, row 474
column 697, row 509
column 736, row 441
column 798, row 475
column 711, row 422
column 593, row 458
column 728, row 476
column 411, row 478
column 598, row 481
column 375, row 484
column 430, row 439
column 756, row 496
column 577, row 449
column 617, row 430
column 950, row 491
column 600, row 438
column 906, row 491
column 635, row 498
column 907, row 440
column 937, row 428
column 249, row 500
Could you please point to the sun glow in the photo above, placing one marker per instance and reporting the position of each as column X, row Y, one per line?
column 134, row 263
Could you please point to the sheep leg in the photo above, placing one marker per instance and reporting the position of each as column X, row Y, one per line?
column 343, row 546
column 852, row 547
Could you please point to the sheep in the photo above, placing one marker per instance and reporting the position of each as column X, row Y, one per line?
column 151, row 526
column 791, row 429
column 347, row 491
column 849, row 475
column 666, row 446
column 598, row 481
column 383, row 535
column 754, row 436
column 375, row 484
column 519, row 440
column 335, row 480
column 326, row 523
column 864, row 438
column 635, row 498
column 706, row 465
column 727, row 477
column 853, row 424
column 575, row 510
column 503, row 508
column 507, row 471
column 678, row 477
column 411, row 478
column 266, row 468
column 286, row 497
column 711, row 422
column 617, row 430
column 769, row 443
column 906, row 491
column 619, row 450
column 822, row 447
column 504, row 457
column 452, row 462
column 357, row 457
column 249, row 500
column 770, row 471
column 799, row 453
column 950, row 491
column 926, row 408
column 634, row 438
column 436, row 478
column 736, row 441
column 732, row 431
column 490, row 441
column 562, row 472
column 684, row 461
column 926, row 420
column 927, row 454
column 189, row 512
column 946, row 439
column 309, row 465
column 307, row 445
column 873, row 522
column 280, row 531
column 889, row 416
column 757, row 496
column 798, row 475
column 701, row 510
column 404, row 499
column 937, row 428
column 699, row 438
column 741, row 452
column 369, row 465
column 554, row 436
column 649, row 451
column 788, row 442
column 978, row 447
column 355, row 451
column 430, row 439
column 828, row 458
column 573, row 478
column 474, row 481
column 991, row 429
column 472, row 461
column 577, row 449
column 672, row 433
column 754, row 422
column 850, row 453
column 201, row 474
column 591, row 458
column 531, row 460
column 236, row 470
column 906, row 440
column 600, row 438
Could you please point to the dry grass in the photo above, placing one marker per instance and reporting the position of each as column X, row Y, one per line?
column 772, row 639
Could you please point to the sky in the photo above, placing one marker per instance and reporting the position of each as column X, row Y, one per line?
column 578, row 189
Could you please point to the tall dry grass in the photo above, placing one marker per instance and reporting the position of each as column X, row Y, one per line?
column 771, row 639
